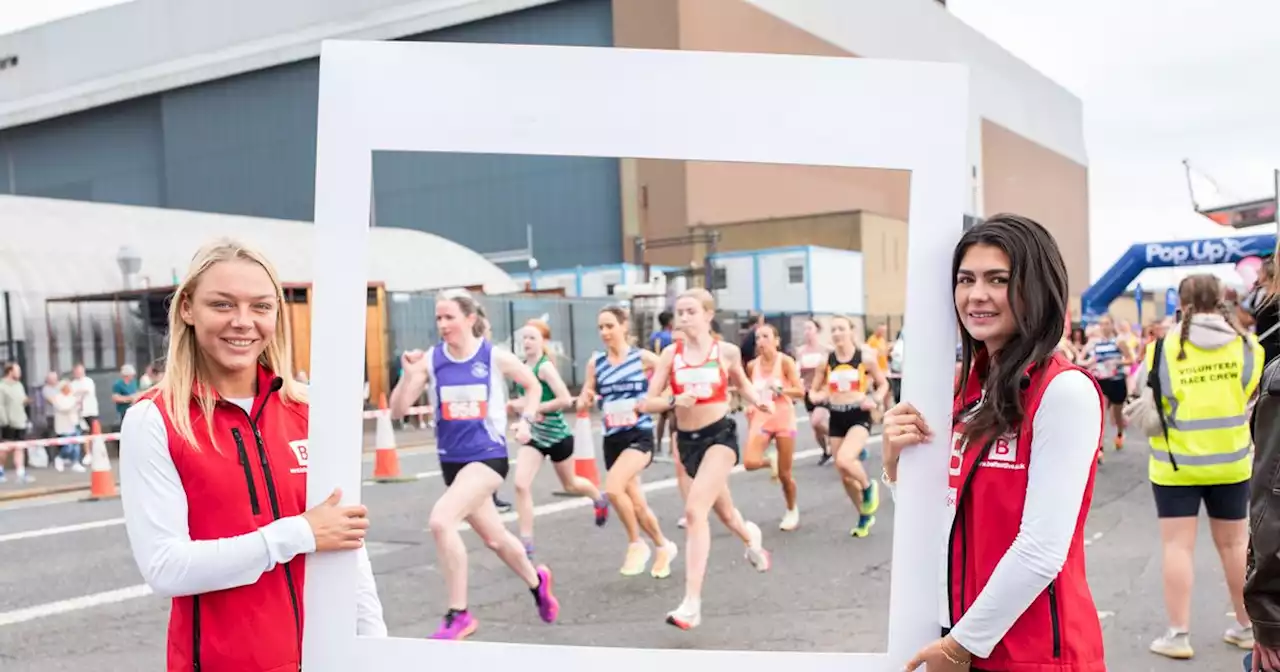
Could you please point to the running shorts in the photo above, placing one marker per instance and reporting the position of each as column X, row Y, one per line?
column 630, row 439
column 845, row 417
column 449, row 470
column 1115, row 390
column 558, row 452
column 1222, row 502
column 693, row 445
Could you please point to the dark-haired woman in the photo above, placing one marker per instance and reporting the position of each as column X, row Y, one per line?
column 1027, row 426
column 811, row 355
column 618, row 379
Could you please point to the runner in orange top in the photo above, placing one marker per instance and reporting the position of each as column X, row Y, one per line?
column 776, row 378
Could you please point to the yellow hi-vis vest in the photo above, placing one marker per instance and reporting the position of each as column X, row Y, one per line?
column 1204, row 400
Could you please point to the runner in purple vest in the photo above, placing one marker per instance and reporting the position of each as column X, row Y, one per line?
column 468, row 376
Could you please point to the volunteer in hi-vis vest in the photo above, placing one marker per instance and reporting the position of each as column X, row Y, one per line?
column 213, row 476
column 1013, row 593
column 1207, row 372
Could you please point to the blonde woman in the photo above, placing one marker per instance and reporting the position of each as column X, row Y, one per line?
column 845, row 385
column 213, row 476
column 700, row 369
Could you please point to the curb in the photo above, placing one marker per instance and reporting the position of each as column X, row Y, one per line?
column 44, row 491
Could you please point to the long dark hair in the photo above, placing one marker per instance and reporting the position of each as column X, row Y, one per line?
column 1038, row 300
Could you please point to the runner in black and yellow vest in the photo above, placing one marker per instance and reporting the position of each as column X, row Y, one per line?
column 549, row 436
column 1207, row 372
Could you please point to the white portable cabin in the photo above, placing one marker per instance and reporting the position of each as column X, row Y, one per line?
column 799, row 279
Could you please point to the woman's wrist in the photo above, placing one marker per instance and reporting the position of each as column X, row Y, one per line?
column 956, row 654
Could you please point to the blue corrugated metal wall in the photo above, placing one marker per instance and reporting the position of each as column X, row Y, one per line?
column 246, row 145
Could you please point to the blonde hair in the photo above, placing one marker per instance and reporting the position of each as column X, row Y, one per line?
column 184, row 378
column 702, row 296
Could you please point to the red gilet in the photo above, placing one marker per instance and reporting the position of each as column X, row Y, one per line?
column 1060, row 631
column 257, row 475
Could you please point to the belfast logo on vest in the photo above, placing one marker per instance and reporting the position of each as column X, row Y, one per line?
column 1004, row 454
column 957, row 454
column 480, row 370
column 299, row 449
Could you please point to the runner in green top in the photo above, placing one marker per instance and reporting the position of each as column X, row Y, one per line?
column 550, row 436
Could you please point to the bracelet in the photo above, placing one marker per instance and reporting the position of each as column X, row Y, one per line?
column 943, row 647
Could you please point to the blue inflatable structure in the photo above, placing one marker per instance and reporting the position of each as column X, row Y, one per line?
column 1204, row 252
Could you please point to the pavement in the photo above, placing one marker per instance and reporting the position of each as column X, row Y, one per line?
column 71, row 597
column 49, row 481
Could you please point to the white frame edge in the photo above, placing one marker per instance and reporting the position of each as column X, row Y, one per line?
column 571, row 101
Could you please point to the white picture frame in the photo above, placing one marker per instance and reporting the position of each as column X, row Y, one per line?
column 656, row 104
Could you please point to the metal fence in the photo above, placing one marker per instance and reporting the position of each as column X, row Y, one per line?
column 411, row 320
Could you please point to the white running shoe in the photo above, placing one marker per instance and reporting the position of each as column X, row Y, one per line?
column 755, row 553
column 1173, row 644
column 687, row 616
column 790, row 521
column 1240, row 635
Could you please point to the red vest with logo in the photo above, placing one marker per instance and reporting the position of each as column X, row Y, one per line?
column 1060, row 631
column 256, row 475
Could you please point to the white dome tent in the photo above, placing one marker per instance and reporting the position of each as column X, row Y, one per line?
column 52, row 248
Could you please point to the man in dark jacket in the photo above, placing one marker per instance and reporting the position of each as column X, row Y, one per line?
column 1262, row 577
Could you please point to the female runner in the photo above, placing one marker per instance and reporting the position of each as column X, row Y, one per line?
column 843, row 384
column 551, row 436
column 466, row 375
column 776, row 380
column 617, row 378
column 812, row 355
column 699, row 369
column 1108, row 357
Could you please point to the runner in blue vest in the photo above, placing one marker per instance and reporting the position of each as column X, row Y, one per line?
column 619, row 378
column 466, row 374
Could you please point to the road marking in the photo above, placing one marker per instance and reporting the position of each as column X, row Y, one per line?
column 375, row 548
column 74, row 604
column 1096, row 536
column 64, row 529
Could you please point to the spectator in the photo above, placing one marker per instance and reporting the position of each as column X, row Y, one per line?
column 1260, row 309
column 67, row 423
column 662, row 338
column 13, row 419
column 44, row 404
column 879, row 341
column 87, row 392
column 124, row 391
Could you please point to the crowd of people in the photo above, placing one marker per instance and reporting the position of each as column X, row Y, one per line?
column 1029, row 421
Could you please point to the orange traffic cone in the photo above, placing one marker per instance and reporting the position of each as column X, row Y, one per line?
column 386, row 461
column 584, row 449
column 102, row 483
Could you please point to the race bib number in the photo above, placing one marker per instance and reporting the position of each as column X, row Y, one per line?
column 844, row 380
column 700, row 382
column 811, row 360
column 464, row 402
column 620, row 413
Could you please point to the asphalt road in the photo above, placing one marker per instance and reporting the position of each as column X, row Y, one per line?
column 72, row 599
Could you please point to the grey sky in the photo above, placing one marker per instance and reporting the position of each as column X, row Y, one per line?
column 1161, row 80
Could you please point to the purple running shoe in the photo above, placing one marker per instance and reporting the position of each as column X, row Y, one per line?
column 456, row 625
column 548, row 605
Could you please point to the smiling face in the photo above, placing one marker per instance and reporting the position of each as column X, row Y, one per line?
column 234, row 313
column 982, row 296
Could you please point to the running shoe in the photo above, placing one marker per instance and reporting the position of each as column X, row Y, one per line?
column 864, row 455
column 1173, row 644
column 662, row 560
column 824, row 459
column 1241, row 636
column 637, row 557
column 548, row 605
column 864, row 526
column 456, row 625
column 1119, row 440
column 790, row 521
column 871, row 499
column 602, row 511
column 682, row 523
column 755, row 553
column 687, row 616
column 503, row 506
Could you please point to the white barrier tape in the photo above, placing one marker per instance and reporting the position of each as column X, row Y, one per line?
column 89, row 438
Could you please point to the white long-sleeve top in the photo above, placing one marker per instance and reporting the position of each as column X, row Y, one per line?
column 1064, row 446
column 155, row 512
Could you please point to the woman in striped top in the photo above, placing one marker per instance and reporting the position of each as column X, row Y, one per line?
column 618, row 379
column 550, row 436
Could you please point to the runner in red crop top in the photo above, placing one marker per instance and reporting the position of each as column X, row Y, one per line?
column 707, row 382
column 707, row 438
